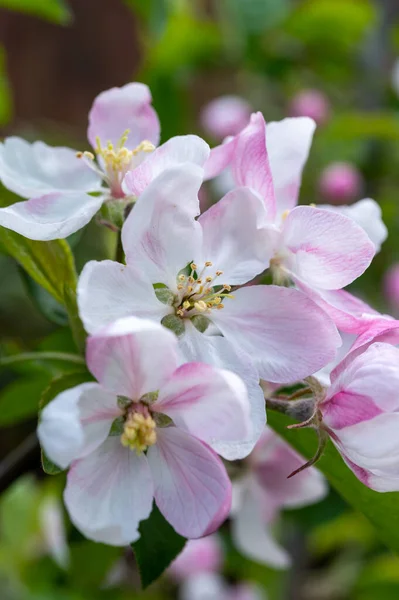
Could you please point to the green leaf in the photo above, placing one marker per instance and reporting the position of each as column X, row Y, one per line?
column 158, row 546
column 48, row 466
column 380, row 509
column 363, row 126
column 62, row 383
column 56, row 11
column 20, row 399
column 50, row 264
column 255, row 16
column 44, row 302
column 5, row 91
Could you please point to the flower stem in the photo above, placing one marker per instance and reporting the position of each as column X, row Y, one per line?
column 26, row 356
column 301, row 410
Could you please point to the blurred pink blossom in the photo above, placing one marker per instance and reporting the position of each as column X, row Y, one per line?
column 203, row 555
column 224, row 116
column 391, row 287
column 310, row 103
column 340, row 183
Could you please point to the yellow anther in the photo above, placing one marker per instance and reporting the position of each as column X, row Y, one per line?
column 200, row 306
column 217, row 300
column 180, row 312
column 139, row 432
column 189, row 289
column 209, row 279
column 220, row 306
column 199, row 281
column 227, row 287
column 285, row 214
column 79, row 154
column 88, row 155
column 182, row 277
column 312, row 204
column 186, row 304
column 191, row 279
column 124, row 138
column 180, row 286
column 144, row 146
column 193, row 267
column 208, row 263
column 218, row 273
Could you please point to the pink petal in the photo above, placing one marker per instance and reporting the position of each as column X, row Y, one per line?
column 357, row 383
column 367, row 214
column 234, row 238
column 204, row 554
column 288, row 145
column 212, row 404
column 192, row 489
column 226, row 115
column 288, row 336
column 108, row 291
column 132, row 357
column 328, row 250
column 118, row 109
column 109, row 492
column 176, row 151
column 252, row 536
column 161, row 236
column 250, row 162
column 76, row 422
column 34, row 170
column 217, row 351
column 52, row 216
column 219, row 158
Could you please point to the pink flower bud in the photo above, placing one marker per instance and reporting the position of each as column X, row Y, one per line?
column 391, row 286
column 340, row 183
column 310, row 103
column 224, row 116
column 203, row 555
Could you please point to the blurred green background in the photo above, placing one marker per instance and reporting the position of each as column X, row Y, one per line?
column 55, row 57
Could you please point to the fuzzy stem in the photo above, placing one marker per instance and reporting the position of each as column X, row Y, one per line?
column 301, row 410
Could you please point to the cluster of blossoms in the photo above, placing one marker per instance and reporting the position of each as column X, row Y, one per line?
column 186, row 339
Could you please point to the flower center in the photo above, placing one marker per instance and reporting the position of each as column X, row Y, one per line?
column 198, row 292
column 139, row 430
column 116, row 161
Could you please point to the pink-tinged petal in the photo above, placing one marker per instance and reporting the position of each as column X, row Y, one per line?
column 176, row 151
column 326, row 250
column 271, row 463
column 288, row 145
column 52, row 216
column 220, row 157
column 234, row 237
column 350, row 314
column 76, row 422
column 250, row 163
column 204, row 555
column 357, row 386
column 372, row 445
column 34, row 170
column 252, row 536
column 118, row 109
column 109, row 492
column 288, row 336
column 132, row 357
column 192, row 489
column 212, row 404
column 367, row 214
column 161, row 235
column 204, row 586
column 108, row 290
column 217, row 351
column 380, row 330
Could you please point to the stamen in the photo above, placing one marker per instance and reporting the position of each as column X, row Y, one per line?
column 208, row 263
column 139, row 432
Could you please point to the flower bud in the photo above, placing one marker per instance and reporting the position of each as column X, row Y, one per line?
column 340, row 183
column 310, row 103
column 224, row 116
column 391, row 287
column 199, row 556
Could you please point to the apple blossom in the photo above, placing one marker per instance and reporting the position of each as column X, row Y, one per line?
column 224, row 116
column 180, row 271
column 144, row 431
column 58, row 182
column 263, row 491
column 310, row 103
column 202, row 555
column 340, row 182
column 359, row 413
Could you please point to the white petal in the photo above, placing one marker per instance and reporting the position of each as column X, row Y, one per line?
column 32, row 170
column 50, row 217
column 161, row 236
column 108, row 290
column 109, row 492
column 217, row 351
column 132, row 357
column 76, row 422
